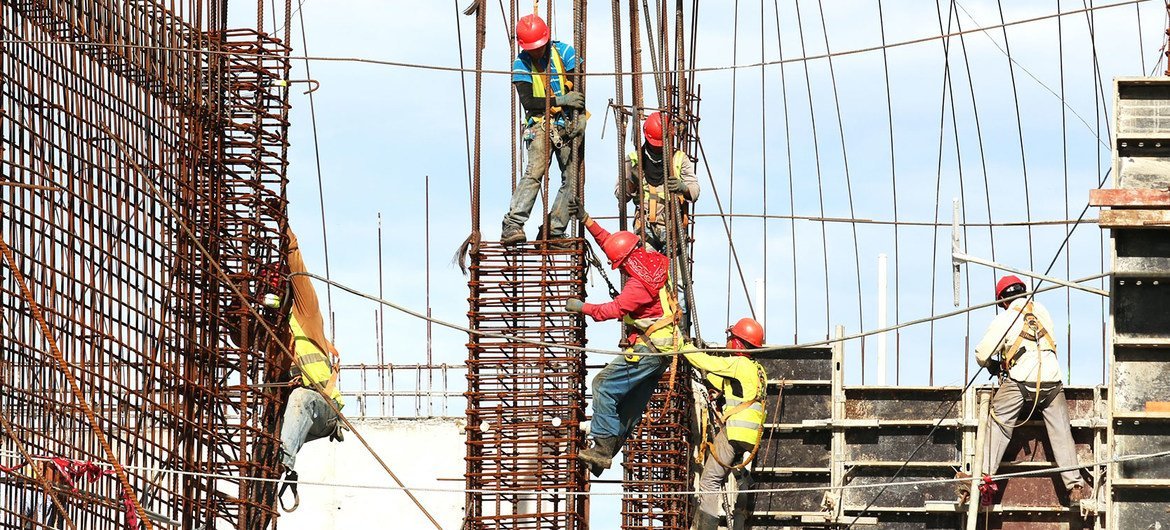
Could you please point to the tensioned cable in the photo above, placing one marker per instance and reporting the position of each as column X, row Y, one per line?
column 978, row 137
column 848, row 179
column 1064, row 165
column 731, row 172
column 420, row 66
column 951, row 16
column 1020, row 135
column 820, row 184
column 915, row 483
column 222, row 274
column 1024, row 69
column 726, row 227
column 1007, row 330
column 791, row 187
column 859, row 335
column 320, row 180
column 859, row 220
column 942, row 126
column 893, row 199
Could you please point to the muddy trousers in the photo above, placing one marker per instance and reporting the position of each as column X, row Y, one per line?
column 715, row 475
column 1011, row 405
column 307, row 417
column 540, row 147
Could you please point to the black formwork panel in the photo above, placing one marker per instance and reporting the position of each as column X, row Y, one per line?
column 1138, row 438
column 894, row 403
column 910, row 496
column 799, row 404
column 1140, row 509
column 794, row 448
column 1140, row 309
column 796, row 445
column 801, row 364
column 812, row 485
column 895, row 444
column 910, row 521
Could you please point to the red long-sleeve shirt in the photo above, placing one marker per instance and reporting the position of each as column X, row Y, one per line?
column 635, row 299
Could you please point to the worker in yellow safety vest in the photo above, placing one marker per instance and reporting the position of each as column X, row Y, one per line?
column 740, row 384
column 541, row 75
column 308, row 415
column 646, row 183
column 1030, row 380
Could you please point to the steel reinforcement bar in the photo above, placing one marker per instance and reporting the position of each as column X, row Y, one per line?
column 525, row 403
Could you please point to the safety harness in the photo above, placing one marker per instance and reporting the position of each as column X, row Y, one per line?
column 652, row 195
column 1033, row 331
column 540, row 80
column 708, row 427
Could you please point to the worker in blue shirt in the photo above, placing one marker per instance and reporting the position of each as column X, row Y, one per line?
column 541, row 74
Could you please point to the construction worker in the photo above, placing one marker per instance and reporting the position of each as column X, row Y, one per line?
column 1030, row 381
column 740, row 383
column 541, row 74
column 313, row 406
column 652, row 195
column 623, row 388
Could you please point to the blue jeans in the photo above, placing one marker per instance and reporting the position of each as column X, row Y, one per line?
column 307, row 417
column 621, row 392
column 539, row 149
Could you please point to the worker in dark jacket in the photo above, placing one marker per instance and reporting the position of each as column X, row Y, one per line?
column 739, row 384
column 540, row 75
column 624, row 387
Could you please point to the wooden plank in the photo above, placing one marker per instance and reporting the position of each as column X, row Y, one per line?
column 1130, row 198
column 1134, row 219
column 1158, row 406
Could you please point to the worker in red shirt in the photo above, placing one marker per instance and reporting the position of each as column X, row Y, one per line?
column 647, row 303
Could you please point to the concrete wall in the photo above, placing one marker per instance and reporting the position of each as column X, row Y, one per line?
column 421, row 452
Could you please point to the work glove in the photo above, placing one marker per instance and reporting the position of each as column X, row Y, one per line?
column 574, row 305
column 572, row 100
column 576, row 127
column 994, row 367
column 583, row 216
column 676, row 185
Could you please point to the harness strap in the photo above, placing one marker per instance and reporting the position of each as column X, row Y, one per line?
column 1033, row 331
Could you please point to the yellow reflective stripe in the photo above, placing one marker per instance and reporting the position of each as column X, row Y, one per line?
column 313, row 363
column 538, row 78
column 742, row 424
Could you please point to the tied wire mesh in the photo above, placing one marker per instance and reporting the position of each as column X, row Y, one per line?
column 131, row 171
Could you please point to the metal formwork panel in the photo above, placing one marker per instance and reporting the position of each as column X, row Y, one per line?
column 1135, row 490
column 525, row 401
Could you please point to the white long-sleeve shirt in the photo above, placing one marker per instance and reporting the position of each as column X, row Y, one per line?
column 1004, row 331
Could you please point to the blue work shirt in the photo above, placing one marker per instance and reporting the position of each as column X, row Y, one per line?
column 525, row 65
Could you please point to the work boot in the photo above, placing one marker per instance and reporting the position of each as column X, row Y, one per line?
column 706, row 521
column 559, row 243
column 1079, row 493
column 600, row 456
column 512, row 235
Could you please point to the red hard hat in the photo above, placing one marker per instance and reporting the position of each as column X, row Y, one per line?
column 619, row 246
column 1004, row 283
column 531, row 32
column 749, row 331
column 652, row 129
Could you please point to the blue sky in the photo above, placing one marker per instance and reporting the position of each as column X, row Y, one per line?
column 383, row 129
